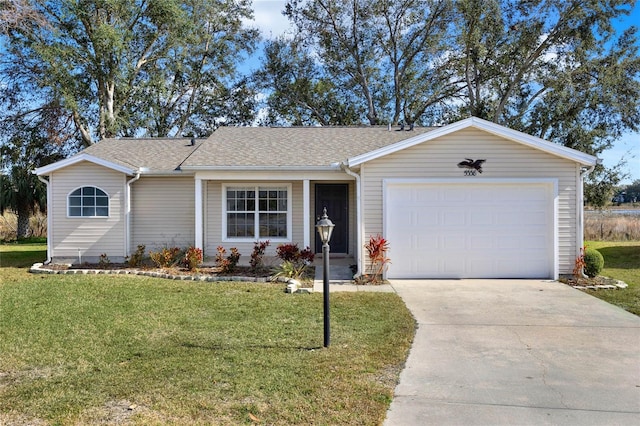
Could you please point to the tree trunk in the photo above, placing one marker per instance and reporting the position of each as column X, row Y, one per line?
column 23, row 224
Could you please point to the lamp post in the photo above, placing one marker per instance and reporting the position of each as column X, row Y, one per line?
column 325, row 228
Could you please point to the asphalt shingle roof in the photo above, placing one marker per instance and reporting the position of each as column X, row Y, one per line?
column 156, row 154
column 291, row 146
column 251, row 147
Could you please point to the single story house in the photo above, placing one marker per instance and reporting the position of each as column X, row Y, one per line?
column 472, row 199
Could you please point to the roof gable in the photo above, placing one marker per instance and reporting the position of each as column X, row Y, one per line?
column 487, row 126
column 45, row 170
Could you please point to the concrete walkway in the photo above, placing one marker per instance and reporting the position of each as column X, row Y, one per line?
column 516, row 352
column 341, row 278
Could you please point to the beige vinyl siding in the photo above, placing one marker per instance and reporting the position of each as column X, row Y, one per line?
column 213, row 218
column 91, row 236
column 163, row 212
column 505, row 159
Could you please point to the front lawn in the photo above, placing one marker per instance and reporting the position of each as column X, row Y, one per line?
column 621, row 261
column 22, row 254
column 107, row 349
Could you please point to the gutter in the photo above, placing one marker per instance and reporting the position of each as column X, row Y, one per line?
column 332, row 167
column 359, row 244
column 127, row 239
column 583, row 175
column 49, row 220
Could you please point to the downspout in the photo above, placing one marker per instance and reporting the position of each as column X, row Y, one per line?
column 49, row 220
column 583, row 175
column 127, row 237
column 359, row 244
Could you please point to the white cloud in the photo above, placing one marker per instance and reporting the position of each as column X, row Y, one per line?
column 268, row 18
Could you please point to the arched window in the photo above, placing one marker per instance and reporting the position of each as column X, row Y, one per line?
column 88, row 201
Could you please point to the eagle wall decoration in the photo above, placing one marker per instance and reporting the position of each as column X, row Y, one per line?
column 471, row 165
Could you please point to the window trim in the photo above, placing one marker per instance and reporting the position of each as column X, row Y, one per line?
column 69, row 216
column 257, row 187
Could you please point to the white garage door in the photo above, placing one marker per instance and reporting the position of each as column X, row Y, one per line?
column 470, row 230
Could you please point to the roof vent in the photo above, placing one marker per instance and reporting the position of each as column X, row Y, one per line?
column 193, row 141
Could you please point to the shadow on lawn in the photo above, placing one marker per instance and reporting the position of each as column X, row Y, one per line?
column 622, row 257
column 21, row 257
column 227, row 347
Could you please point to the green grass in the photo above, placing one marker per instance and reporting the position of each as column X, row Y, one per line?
column 621, row 261
column 82, row 349
column 22, row 254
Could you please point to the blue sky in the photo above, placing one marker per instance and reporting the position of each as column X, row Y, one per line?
column 269, row 19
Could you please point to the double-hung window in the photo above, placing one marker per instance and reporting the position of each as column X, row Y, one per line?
column 257, row 212
column 88, row 201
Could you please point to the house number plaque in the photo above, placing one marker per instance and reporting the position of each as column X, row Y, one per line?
column 471, row 166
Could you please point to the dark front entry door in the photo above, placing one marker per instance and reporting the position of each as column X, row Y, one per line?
column 335, row 198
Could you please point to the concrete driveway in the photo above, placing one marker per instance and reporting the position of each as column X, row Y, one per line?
column 516, row 352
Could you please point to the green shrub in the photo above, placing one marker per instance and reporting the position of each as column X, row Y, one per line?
column 594, row 262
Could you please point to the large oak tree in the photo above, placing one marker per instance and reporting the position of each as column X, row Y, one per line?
column 128, row 67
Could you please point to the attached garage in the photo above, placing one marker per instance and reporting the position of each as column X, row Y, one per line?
column 496, row 228
column 474, row 200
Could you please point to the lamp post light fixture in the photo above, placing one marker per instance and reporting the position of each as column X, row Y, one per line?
column 325, row 228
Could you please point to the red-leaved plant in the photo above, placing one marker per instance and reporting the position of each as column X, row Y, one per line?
column 257, row 254
column 377, row 248
column 294, row 261
column 192, row 258
column 580, row 263
column 166, row 257
column 227, row 264
column 292, row 253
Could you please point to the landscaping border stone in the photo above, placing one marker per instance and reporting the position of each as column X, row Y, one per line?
column 41, row 268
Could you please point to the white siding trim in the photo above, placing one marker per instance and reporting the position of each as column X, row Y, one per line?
column 362, row 220
column 127, row 215
column 579, row 210
column 265, row 176
column 198, row 212
column 83, row 157
column 306, row 214
column 205, row 224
